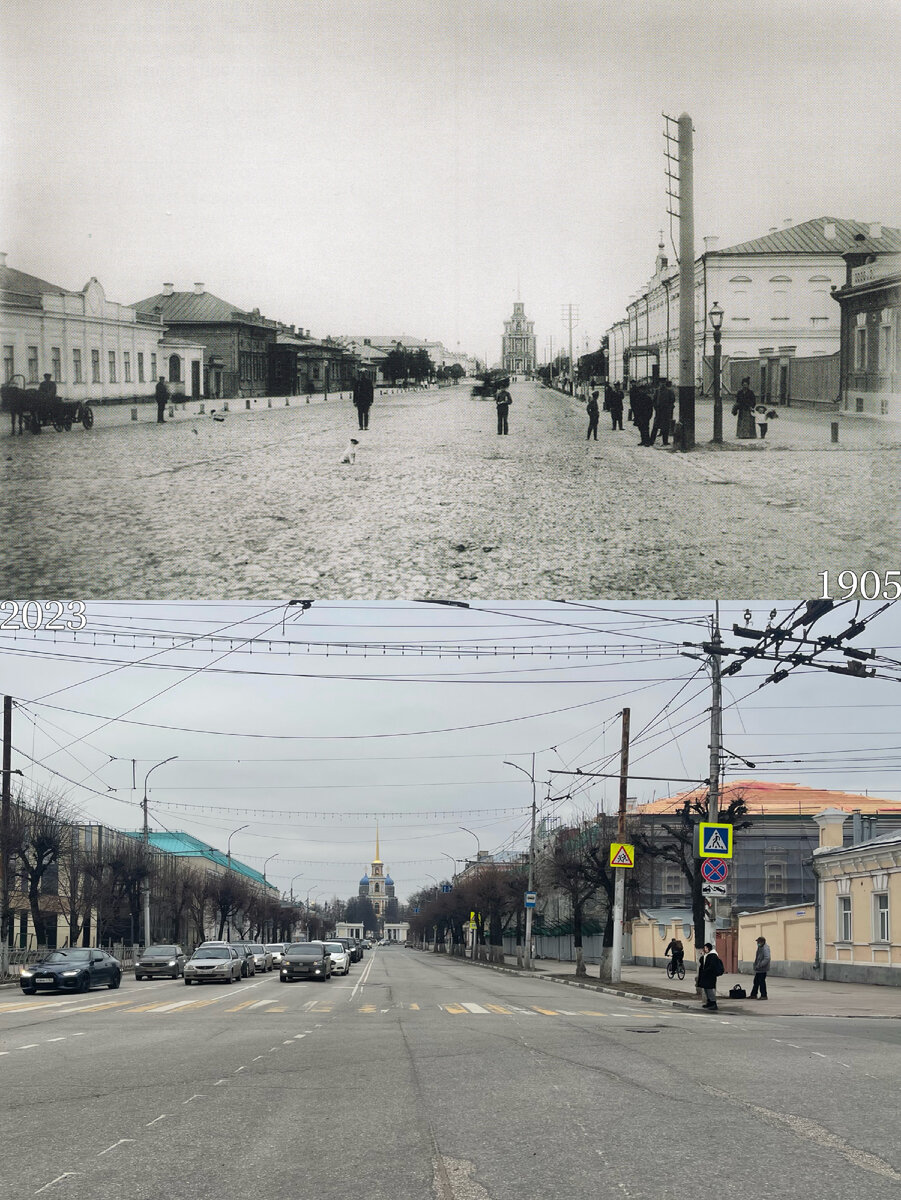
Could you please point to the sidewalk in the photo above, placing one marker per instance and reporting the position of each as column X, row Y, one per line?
column 793, row 429
column 107, row 416
column 787, row 997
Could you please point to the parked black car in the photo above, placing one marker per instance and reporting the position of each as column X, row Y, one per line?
column 306, row 960
column 73, row 969
column 161, row 960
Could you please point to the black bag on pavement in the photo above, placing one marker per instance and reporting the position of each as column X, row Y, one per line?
column 737, row 993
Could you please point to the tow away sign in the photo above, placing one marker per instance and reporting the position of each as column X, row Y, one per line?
column 713, row 889
column 622, row 854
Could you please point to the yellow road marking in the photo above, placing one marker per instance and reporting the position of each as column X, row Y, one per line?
column 368, row 1008
column 238, row 1007
column 547, row 1012
column 496, row 1008
column 453, row 1008
column 197, row 1004
column 147, row 1007
column 276, row 1010
column 101, row 1007
column 414, row 1007
column 589, row 1012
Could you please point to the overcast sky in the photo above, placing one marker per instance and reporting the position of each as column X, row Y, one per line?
column 359, row 713
column 374, row 166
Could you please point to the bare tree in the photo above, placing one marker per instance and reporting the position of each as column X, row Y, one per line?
column 40, row 836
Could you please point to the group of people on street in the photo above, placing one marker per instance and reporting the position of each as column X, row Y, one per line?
column 752, row 417
column 710, row 968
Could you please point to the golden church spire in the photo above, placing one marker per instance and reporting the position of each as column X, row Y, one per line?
column 376, row 859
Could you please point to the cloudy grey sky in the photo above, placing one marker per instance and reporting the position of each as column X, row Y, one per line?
column 379, row 166
column 310, row 729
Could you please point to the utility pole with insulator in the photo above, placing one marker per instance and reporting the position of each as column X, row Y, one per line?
column 716, row 740
column 619, row 883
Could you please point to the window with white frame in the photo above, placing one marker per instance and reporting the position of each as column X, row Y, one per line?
column 843, row 933
column 860, row 343
column 739, row 305
column 112, row 366
column 673, row 880
column 76, row 366
column 140, row 366
column 775, row 878
column 56, row 364
column 880, row 917
column 32, row 364
column 780, row 297
column 886, row 341
column 126, row 365
column 95, row 366
column 9, row 363
column 153, row 366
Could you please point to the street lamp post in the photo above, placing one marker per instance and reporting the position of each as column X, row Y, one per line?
column 531, row 774
column 228, row 855
column 471, row 834
column 145, row 885
column 265, row 865
column 716, row 323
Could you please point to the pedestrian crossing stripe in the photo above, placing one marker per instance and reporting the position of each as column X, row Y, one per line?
column 622, row 854
column 715, row 840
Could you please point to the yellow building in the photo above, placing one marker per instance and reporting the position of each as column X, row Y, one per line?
column 858, row 934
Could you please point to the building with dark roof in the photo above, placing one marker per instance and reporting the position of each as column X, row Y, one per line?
column 237, row 342
column 94, row 349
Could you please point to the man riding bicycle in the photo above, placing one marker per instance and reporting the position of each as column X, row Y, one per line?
column 678, row 953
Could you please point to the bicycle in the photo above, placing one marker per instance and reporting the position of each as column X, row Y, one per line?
column 675, row 968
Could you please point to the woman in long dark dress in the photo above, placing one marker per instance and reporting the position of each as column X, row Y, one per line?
column 744, row 409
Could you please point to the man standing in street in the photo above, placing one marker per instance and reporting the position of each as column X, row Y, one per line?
column 761, row 966
column 503, row 400
column 642, row 410
column 162, row 399
column 664, row 406
column 363, row 393
column 593, row 414
column 615, row 406
column 710, row 968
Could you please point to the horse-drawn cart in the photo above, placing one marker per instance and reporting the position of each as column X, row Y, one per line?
column 36, row 411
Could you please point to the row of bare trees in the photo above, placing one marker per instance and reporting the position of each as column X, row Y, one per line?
column 94, row 877
column 572, row 873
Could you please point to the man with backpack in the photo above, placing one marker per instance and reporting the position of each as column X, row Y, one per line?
column 710, row 968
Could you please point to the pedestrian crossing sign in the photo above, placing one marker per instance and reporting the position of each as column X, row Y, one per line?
column 715, row 840
column 622, row 854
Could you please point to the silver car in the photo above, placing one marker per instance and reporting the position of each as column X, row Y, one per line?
column 161, row 960
column 277, row 950
column 262, row 956
column 213, row 964
column 340, row 957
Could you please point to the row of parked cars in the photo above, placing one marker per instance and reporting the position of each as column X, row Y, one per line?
column 78, row 970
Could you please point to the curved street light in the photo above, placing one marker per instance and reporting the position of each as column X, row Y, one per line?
column 228, row 846
column 531, row 776
column 471, row 834
column 267, row 862
column 145, row 885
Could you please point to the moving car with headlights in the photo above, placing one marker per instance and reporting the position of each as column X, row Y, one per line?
column 262, row 957
column 245, row 954
column 72, row 969
column 161, row 960
column 277, row 950
column 340, row 956
column 306, row 960
column 213, row 964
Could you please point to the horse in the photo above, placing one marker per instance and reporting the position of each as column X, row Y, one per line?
column 18, row 403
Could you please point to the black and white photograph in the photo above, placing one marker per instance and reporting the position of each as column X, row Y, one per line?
column 378, row 299
column 465, row 903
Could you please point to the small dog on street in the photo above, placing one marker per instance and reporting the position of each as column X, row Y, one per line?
column 350, row 454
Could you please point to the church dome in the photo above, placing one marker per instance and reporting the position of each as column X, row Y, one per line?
column 388, row 879
column 365, row 879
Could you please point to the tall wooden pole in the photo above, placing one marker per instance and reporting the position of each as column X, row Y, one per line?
column 686, row 286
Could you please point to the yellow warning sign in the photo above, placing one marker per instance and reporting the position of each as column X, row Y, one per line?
column 622, row 854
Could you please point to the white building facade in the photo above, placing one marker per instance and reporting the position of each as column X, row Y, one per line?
column 93, row 348
column 775, row 292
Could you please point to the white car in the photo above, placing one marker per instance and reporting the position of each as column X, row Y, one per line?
column 340, row 958
column 277, row 950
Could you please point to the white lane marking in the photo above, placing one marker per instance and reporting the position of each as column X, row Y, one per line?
column 155, row 1119
column 230, row 995
column 30, row 1046
column 300, row 1035
column 473, row 1008
column 288, row 1043
column 196, row 1096
column 4, row 1052
column 237, row 1069
column 363, row 977
column 793, row 1045
column 59, row 1039
column 80, row 1033
column 59, row 1179
column 120, row 1142
column 257, row 1059
column 218, row 1081
column 257, row 1003
column 817, row 1053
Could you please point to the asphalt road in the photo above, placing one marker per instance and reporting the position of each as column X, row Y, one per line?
column 419, row 1077
column 436, row 505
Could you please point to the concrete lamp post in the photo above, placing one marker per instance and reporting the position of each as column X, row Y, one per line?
column 228, row 855
column 145, row 885
column 716, row 324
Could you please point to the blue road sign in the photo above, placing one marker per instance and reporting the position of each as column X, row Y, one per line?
column 715, row 840
column 531, row 897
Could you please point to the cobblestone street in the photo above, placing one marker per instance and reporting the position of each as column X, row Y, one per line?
column 436, row 505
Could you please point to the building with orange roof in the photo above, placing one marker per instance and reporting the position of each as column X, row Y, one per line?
column 772, row 859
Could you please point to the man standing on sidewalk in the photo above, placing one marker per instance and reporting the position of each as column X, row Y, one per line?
column 503, row 400
column 162, row 399
column 761, row 966
column 363, row 393
column 710, row 968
